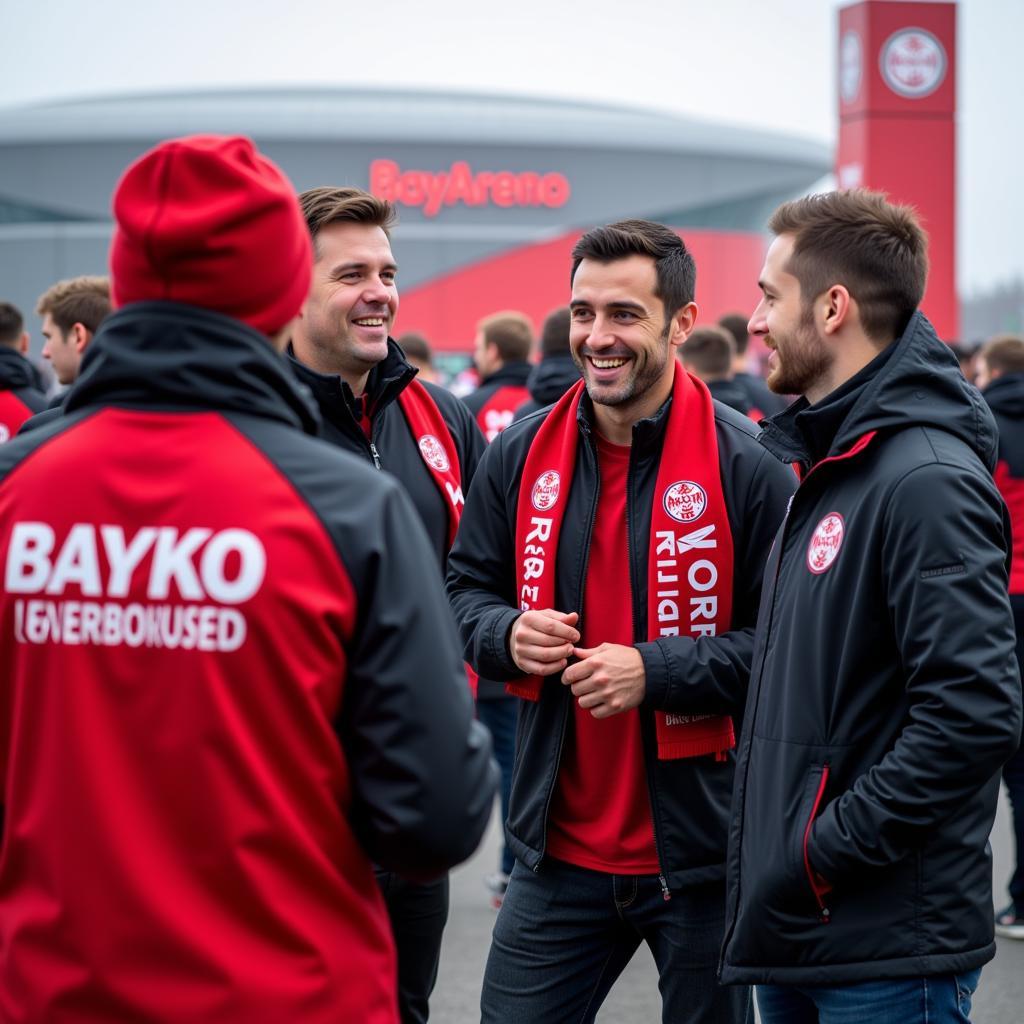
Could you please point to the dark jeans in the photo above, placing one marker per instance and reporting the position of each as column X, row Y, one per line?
column 943, row 999
column 499, row 715
column 1013, row 776
column 565, row 934
column 418, row 912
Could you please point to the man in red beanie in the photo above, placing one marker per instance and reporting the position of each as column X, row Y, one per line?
column 220, row 700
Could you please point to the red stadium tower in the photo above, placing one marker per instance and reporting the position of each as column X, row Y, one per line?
column 897, row 129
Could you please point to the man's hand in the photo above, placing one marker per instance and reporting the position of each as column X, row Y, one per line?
column 541, row 641
column 607, row 680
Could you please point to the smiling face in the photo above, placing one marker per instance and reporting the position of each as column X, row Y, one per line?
column 619, row 335
column 345, row 323
column 799, row 359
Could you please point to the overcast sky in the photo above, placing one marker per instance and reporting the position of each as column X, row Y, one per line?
column 764, row 63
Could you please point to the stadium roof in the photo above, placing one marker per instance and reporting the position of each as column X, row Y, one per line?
column 336, row 113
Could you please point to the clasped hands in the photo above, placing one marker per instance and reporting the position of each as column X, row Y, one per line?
column 606, row 680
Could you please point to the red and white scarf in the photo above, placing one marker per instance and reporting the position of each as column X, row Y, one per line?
column 690, row 551
column 437, row 448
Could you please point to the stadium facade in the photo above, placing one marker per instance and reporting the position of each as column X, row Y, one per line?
column 492, row 191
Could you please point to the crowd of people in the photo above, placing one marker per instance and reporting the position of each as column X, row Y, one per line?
column 283, row 617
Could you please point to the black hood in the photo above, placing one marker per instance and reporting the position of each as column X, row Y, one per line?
column 552, row 377
column 17, row 372
column 166, row 355
column 511, row 374
column 1005, row 396
column 920, row 385
column 731, row 393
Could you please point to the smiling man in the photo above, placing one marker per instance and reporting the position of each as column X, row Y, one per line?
column 373, row 406
column 884, row 694
column 608, row 568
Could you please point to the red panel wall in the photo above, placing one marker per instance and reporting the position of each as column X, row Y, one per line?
column 897, row 130
column 535, row 280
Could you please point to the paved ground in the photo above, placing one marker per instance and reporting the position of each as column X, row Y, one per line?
column 634, row 1000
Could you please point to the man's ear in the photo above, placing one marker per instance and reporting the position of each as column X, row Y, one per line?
column 683, row 322
column 838, row 308
column 80, row 336
column 23, row 343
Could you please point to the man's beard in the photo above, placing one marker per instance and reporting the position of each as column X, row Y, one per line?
column 645, row 372
column 800, row 361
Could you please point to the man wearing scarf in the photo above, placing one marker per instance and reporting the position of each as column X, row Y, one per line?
column 607, row 567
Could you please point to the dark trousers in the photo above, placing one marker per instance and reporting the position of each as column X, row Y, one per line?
column 499, row 714
column 565, row 934
column 418, row 912
column 1013, row 776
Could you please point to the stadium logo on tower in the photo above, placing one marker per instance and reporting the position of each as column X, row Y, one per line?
column 434, row 454
column 850, row 66
column 545, row 491
column 913, row 63
column 685, row 501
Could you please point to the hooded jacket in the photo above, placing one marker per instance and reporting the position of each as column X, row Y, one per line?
column 689, row 796
column 1005, row 397
column 884, row 694
column 230, row 681
column 391, row 446
column 548, row 381
column 21, row 392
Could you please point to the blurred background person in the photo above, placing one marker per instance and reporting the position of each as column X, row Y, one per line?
column 72, row 312
column 1000, row 378
column 709, row 353
column 417, row 352
column 22, row 391
column 556, row 372
column 763, row 401
column 501, row 355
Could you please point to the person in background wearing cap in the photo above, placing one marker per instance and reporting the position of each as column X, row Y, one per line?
column 374, row 407
column 220, row 700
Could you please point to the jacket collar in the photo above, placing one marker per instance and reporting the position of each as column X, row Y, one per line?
column 172, row 356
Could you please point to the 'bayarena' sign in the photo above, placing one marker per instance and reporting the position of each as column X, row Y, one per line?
column 432, row 190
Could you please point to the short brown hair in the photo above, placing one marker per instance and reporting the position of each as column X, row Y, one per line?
column 328, row 204
column 415, row 346
column 12, row 324
column 736, row 325
column 709, row 350
column 78, row 300
column 511, row 333
column 1004, row 353
column 876, row 249
column 554, row 335
column 675, row 270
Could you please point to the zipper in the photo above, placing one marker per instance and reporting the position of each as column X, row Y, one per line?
column 824, row 914
column 567, row 703
column 375, row 454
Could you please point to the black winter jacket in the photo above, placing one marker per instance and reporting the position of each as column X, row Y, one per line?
column 760, row 396
column 884, row 694
column 548, row 381
column 21, row 391
column 732, row 394
column 690, row 796
column 393, row 448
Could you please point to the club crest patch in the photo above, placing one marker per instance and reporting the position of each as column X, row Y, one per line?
column 434, row 454
column 826, row 541
column 545, row 491
column 685, row 501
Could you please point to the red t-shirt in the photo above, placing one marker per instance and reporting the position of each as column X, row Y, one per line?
column 601, row 812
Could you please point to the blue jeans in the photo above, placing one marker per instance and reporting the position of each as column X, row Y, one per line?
column 499, row 714
column 942, row 999
column 564, row 935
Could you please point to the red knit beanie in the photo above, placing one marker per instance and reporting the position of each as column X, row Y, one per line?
column 209, row 221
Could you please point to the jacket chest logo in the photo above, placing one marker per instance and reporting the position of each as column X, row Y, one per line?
column 826, row 541
column 685, row 501
column 433, row 453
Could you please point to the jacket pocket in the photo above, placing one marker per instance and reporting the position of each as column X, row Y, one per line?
column 810, row 807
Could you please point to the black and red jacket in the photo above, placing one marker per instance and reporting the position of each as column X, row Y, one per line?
column 1005, row 397
column 884, row 694
column 390, row 445
column 21, row 392
column 494, row 403
column 229, row 680
column 708, row 675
